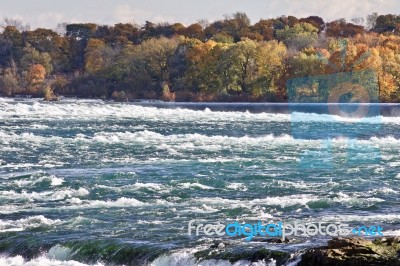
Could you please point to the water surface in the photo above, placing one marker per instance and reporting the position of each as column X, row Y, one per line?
column 99, row 183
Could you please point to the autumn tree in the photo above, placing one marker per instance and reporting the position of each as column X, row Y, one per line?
column 94, row 59
column 387, row 23
column 78, row 35
column 265, row 29
column 243, row 56
column 236, row 25
column 389, row 74
column 201, row 68
column 270, row 64
column 9, row 83
column 340, row 28
column 6, row 54
column 34, row 57
column 349, row 57
column 298, row 37
column 48, row 41
column 41, row 39
column 12, row 44
column 81, row 31
column 119, row 34
column 35, row 77
column 194, row 31
column 156, row 53
column 316, row 21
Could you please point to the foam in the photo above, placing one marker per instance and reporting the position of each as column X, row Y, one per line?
column 194, row 185
column 185, row 257
column 40, row 261
column 237, row 186
column 286, row 201
column 283, row 201
column 33, row 180
column 181, row 141
column 46, row 195
column 95, row 109
column 27, row 223
column 121, row 202
column 156, row 187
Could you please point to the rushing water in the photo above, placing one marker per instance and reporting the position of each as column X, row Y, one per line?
column 87, row 182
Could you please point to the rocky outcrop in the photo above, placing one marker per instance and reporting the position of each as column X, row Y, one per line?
column 224, row 251
column 355, row 252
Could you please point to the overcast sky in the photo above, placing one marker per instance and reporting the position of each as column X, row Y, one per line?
column 48, row 13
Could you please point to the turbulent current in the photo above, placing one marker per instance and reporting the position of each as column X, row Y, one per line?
column 94, row 183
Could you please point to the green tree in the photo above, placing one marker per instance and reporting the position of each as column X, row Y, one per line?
column 9, row 82
column 243, row 56
column 271, row 65
column 201, row 69
column 94, row 56
column 81, row 31
column 32, row 56
column 300, row 36
column 156, row 55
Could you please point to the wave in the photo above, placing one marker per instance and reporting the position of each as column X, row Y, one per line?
column 35, row 179
column 27, row 223
column 88, row 110
column 155, row 187
column 22, row 252
column 99, row 253
column 41, row 261
column 70, row 198
column 55, row 195
column 121, row 202
column 181, row 141
column 187, row 259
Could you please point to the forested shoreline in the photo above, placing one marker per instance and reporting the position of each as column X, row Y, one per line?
column 226, row 60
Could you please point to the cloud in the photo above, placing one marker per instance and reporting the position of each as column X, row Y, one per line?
column 111, row 12
column 48, row 19
column 125, row 13
column 43, row 20
column 332, row 10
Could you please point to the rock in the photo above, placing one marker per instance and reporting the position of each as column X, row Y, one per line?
column 219, row 244
column 354, row 251
column 235, row 254
column 275, row 240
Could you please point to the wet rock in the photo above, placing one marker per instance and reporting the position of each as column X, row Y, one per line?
column 236, row 254
column 355, row 252
column 275, row 240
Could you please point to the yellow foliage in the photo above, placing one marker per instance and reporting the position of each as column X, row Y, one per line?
column 387, row 86
column 356, row 57
column 93, row 55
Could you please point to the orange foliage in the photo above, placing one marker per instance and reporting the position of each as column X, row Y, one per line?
column 36, row 74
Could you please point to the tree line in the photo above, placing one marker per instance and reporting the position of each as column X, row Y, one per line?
column 225, row 60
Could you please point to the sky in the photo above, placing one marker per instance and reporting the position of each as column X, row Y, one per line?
column 48, row 13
